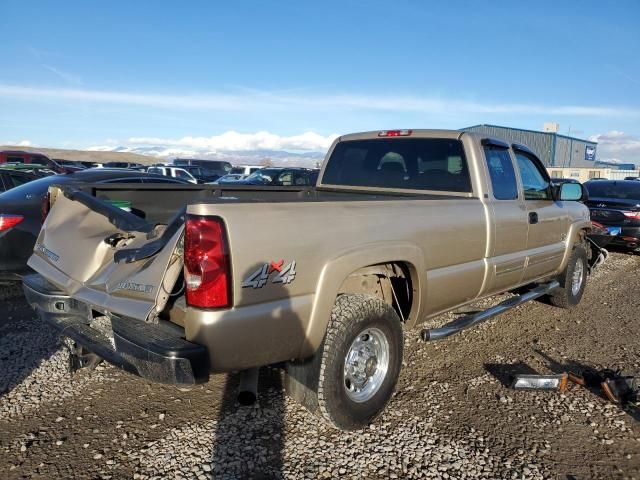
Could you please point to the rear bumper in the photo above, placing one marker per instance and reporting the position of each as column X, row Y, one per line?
column 157, row 352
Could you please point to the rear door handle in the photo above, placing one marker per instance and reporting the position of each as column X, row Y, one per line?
column 533, row 217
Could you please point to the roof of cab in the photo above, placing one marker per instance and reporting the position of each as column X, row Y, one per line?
column 415, row 133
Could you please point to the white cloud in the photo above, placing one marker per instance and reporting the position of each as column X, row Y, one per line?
column 618, row 147
column 21, row 143
column 272, row 101
column 235, row 141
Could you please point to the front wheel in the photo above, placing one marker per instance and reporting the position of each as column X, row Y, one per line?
column 573, row 280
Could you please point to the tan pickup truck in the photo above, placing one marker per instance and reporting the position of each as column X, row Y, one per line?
column 402, row 226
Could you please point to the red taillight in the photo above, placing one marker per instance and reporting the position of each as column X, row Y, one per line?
column 45, row 206
column 9, row 221
column 634, row 215
column 395, row 133
column 206, row 263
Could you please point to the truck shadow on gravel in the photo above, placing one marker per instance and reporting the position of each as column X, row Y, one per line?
column 249, row 440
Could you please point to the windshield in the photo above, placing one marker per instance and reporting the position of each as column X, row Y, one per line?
column 618, row 190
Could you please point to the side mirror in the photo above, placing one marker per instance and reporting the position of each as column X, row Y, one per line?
column 571, row 192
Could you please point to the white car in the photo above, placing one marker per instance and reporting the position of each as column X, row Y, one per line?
column 174, row 172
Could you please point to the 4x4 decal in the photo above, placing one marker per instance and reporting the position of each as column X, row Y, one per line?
column 259, row 278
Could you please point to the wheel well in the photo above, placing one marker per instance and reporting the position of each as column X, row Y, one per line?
column 391, row 282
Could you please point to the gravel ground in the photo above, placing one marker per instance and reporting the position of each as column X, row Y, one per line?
column 451, row 417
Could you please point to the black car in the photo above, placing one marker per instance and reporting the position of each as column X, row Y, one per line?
column 200, row 174
column 128, row 165
column 21, row 212
column 560, row 181
column 211, row 169
column 281, row 176
column 616, row 205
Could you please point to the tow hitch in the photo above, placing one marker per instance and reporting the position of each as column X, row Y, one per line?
column 598, row 255
column 80, row 357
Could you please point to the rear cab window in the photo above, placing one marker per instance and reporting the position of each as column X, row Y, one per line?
column 429, row 164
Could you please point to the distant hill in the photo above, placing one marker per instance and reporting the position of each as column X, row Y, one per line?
column 152, row 154
column 236, row 157
column 88, row 156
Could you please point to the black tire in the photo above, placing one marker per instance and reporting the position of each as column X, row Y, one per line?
column 565, row 296
column 352, row 315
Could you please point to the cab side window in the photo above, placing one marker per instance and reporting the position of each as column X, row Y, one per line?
column 534, row 183
column 503, row 176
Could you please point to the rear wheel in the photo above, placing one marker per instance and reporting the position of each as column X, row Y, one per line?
column 573, row 280
column 361, row 360
column 354, row 372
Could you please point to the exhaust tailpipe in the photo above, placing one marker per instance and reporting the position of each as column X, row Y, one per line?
column 248, row 390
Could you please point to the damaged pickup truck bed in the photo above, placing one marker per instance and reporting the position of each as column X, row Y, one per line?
column 402, row 226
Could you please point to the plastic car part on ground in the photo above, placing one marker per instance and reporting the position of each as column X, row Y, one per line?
column 615, row 385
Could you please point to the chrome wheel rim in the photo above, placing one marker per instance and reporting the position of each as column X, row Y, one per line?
column 366, row 365
column 577, row 278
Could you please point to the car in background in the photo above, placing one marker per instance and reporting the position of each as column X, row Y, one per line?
column 200, row 174
column 174, row 172
column 127, row 165
column 560, row 181
column 212, row 169
column 19, row 156
column 281, row 177
column 14, row 178
column 245, row 169
column 69, row 163
column 615, row 204
column 229, row 178
column 33, row 168
column 632, row 178
column 21, row 212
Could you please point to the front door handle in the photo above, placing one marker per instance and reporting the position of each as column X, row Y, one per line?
column 533, row 217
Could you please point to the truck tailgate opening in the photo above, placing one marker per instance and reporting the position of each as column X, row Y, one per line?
column 107, row 257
